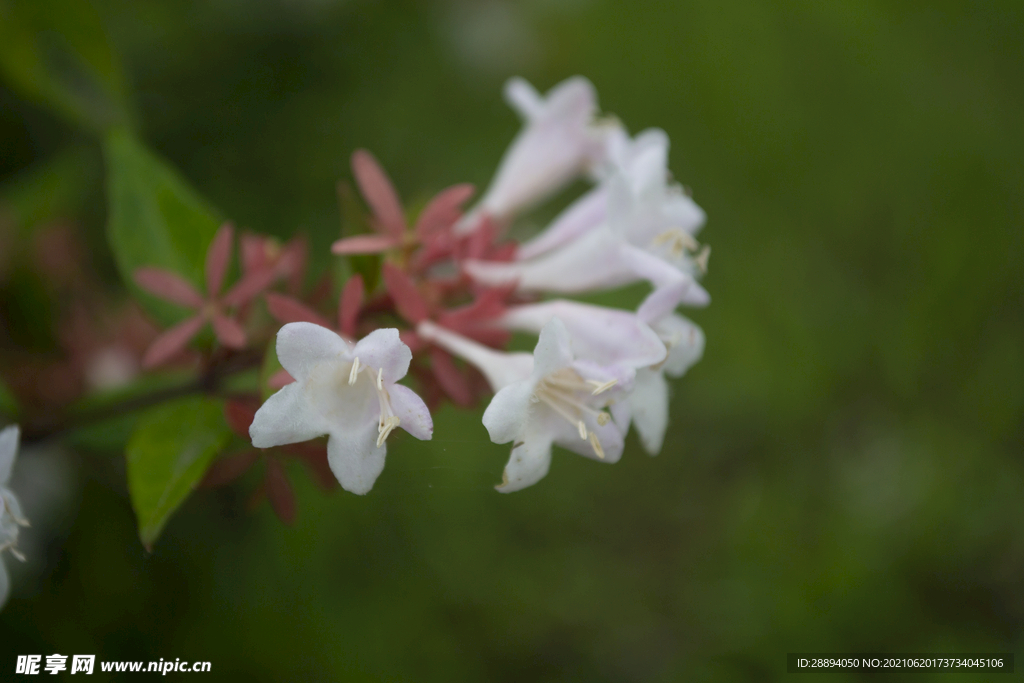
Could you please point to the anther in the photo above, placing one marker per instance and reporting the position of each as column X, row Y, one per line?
column 702, row 259
column 354, row 372
column 380, row 379
column 603, row 419
column 601, row 387
column 583, row 429
column 386, row 427
column 596, row 445
column 17, row 553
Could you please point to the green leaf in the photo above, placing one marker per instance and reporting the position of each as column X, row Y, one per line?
column 155, row 219
column 168, row 454
column 55, row 53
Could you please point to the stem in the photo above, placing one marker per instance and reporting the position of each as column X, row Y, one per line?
column 208, row 382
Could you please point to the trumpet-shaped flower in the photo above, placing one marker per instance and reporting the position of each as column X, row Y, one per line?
column 646, row 233
column 648, row 402
column 559, row 141
column 11, row 518
column 347, row 391
column 560, row 401
column 608, row 336
column 643, row 162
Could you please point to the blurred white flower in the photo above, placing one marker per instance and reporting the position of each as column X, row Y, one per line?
column 559, row 141
column 648, row 402
column 11, row 519
column 346, row 391
column 646, row 233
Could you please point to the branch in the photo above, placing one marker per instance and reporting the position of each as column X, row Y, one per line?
column 208, row 382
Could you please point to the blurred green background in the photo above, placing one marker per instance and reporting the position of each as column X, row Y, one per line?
column 843, row 471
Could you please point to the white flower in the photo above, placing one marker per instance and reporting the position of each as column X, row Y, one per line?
column 608, row 336
column 561, row 401
column 647, row 234
column 11, row 518
column 559, row 141
column 648, row 402
column 613, row 337
column 643, row 160
column 346, row 391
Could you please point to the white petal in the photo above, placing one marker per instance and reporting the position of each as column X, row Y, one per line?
column 553, row 350
column 682, row 212
column 527, row 464
column 383, row 349
column 12, row 504
column 5, row 584
column 524, row 98
column 604, row 335
column 553, row 148
column 355, row 458
column 508, row 412
column 647, row 169
column 568, row 437
column 664, row 299
column 301, row 346
column 621, row 415
column 589, row 263
column 580, row 217
column 685, row 341
column 287, row 417
column 649, row 408
column 412, row 411
column 8, row 450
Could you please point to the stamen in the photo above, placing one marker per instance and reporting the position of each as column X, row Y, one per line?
column 380, row 379
column 17, row 553
column 603, row 419
column 386, row 428
column 601, row 387
column 354, row 372
column 583, row 429
column 596, row 445
column 702, row 259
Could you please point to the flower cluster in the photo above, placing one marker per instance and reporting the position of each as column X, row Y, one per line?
column 453, row 287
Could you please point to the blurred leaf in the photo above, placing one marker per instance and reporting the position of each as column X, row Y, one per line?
column 167, row 456
column 52, row 188
column 55, row 52
column 155, row 219
column 8, row 404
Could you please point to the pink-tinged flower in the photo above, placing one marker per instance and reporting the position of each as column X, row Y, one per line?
column 11, row 517
column 638, row 240
column 559, row 141
column 390, row 228
column 549, row 398
column 608, row 336
column 347, row 391
column 209, row 309
column 648, row 402
column 643, row 161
